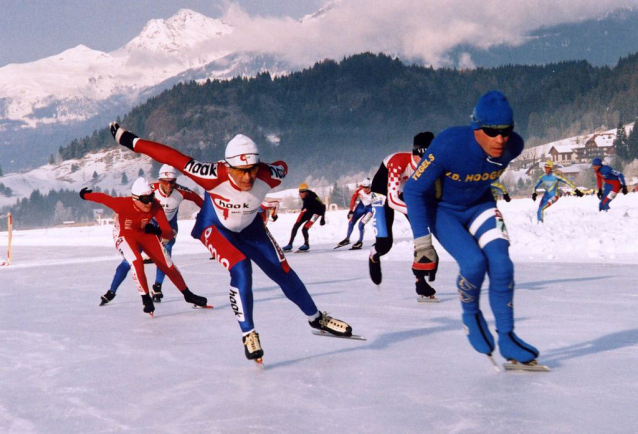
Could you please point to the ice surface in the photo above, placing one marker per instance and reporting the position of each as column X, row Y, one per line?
column 70, row 366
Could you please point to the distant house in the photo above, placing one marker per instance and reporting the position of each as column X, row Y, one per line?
column 563, row 154
column 598, row 146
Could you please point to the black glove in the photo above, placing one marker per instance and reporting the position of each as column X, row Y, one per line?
column 350, row 214
column 84, row 191
column 426, row 261
column 578, row 193
column 122, row 136
column 322, row 221
column 150, row 228
column 274, row 217
column 534, row 196
column 507, row 197
column 600, row 193
column 624, row 189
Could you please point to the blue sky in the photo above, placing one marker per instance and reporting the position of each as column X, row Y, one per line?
column 33, row 29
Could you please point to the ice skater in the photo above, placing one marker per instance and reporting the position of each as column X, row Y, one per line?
column 134, row 233
column 230, row 227
column 550, row 181
column 361, row 212
column 312, row 209
column 614, row 182
column 387, row 197
column 449, row 196
column 170, row 195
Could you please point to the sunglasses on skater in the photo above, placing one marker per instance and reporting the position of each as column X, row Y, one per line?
column 504, row 131
column 252, row 169
column 168, row 181
column 145, row 198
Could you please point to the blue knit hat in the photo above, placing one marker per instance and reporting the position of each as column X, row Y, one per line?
column 492, row 110
column 596, row 162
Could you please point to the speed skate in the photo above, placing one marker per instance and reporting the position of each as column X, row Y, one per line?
column 330, row 335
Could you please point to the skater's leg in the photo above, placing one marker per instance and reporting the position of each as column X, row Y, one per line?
column 120, row 274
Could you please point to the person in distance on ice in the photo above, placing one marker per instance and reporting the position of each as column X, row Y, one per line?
column 550, row 181
column 170, row 195
column 387, row 197
column 134, row 233
column 312, row 209
column 614, row 182
column 499, row 187
column 229, row 226
column 361, row 213
column 449, row 196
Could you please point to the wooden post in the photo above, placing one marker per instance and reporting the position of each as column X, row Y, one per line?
column 9, row 229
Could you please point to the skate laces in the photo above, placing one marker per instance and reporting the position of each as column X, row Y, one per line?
column 252, row 342
column 329, row 322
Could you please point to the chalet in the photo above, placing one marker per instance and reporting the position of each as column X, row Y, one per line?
column 598, row 146
column 563, row 154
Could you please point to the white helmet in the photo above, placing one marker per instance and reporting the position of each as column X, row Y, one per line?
column 141, row 187
column 366, row 183
column 167, row 172
column 241, row 150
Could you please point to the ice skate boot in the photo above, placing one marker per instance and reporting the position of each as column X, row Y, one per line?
column 357, row 246
column 514, row 348
column 374, row 262
column 478, row 333
column 304, row 248
column 252, row 346
column 343, row 242
column 110, row 295
column 287, row 248
column 197, row 300
column 149, row 307
column 331, row 325
column 156, row 292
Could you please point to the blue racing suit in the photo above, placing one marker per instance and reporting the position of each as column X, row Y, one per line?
column 449, row 195
column 550, row 184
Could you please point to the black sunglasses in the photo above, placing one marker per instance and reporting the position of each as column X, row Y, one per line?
column 168, row 181
column 145, row 198
column 493, row 132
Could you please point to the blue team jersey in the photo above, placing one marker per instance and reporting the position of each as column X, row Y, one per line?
column 455, row 172
column 550, row 183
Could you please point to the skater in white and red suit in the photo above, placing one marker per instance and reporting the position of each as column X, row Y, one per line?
column 230, row 227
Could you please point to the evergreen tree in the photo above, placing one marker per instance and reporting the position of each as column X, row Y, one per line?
column 95, row 177
column 632, row 143
column 51, row 159
column 140, row 173
column 339, row 195
column 1, row 171
column 124, row 178
column 620, row 143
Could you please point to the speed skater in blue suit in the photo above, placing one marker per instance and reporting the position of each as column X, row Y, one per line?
column 449, row 196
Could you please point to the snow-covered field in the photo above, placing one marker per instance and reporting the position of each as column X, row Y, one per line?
column 67, row 365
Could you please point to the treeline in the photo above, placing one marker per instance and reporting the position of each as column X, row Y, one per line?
column 53, row 209
column 342, row 117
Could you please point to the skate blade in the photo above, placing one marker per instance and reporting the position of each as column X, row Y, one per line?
column 302, row 251
column 330, row 335
column 208, row 306
column 424, row 299
column 151, row 314
column 532, row 366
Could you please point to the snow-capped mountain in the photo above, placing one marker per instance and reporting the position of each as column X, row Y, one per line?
column 46, row 103
column 70, row 86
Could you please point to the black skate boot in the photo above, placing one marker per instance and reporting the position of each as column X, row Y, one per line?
column 331, row 325
column 197, row 300
column 374, row 261
column 149, row 307
column 110, row 295
column 252, row 346
column 156, row 292
column 343, row 242
column 357, row 246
